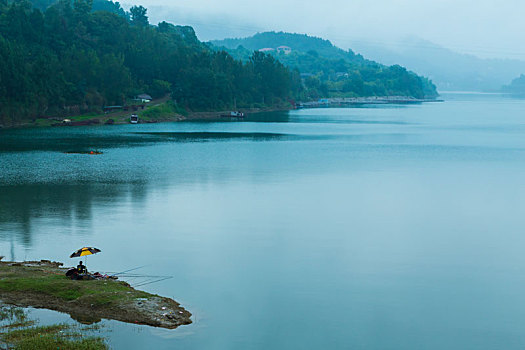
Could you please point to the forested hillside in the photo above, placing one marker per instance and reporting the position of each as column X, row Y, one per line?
column 76, row 56
column 329, row 70
column 69, row 59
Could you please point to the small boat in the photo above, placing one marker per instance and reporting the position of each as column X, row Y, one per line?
column 134, row 119
column 233, row 114
column 237, row 114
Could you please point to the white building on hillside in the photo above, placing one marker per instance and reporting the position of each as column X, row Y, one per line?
column 284, row 49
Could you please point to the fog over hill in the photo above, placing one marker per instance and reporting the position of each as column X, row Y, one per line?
column 448, row 69
column 465, row 47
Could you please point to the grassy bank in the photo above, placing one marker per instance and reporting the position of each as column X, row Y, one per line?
column 52, row 282
column 163, row 111
column 44, row 285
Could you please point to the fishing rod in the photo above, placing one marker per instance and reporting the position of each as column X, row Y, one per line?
column 149, row 278
column 141, row 282
column 136, row 268
column 144, row 284
column 145, row 276
column 153, row 278
column 158, row 280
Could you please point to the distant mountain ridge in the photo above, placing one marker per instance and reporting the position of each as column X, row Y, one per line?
column 448, row 69
column 298, row 42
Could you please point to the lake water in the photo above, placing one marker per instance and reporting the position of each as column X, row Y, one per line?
column 382, row 227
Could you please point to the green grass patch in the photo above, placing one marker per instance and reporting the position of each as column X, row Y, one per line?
column 30, row 332
column 59, row 336
column 53, row 342
column 53, row 282
column 86, row 116
column 14, row 335
column 164, row 110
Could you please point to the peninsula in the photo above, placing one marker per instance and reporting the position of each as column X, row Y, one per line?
column 43, row 284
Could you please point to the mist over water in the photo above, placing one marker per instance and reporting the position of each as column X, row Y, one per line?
column 390, row 227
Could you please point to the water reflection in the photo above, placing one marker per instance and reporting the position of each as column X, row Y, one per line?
column 82, row 140
column 29, row 205
column 213, row 136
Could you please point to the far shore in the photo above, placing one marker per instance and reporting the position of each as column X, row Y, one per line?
column 119, row 118
column 123, row 117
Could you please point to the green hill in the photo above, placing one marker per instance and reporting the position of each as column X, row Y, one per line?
column 329, row 70
column 298, row 42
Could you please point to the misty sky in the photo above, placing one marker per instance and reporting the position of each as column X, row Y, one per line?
column 486, row 28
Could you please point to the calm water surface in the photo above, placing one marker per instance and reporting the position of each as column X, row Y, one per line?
column 397, row 227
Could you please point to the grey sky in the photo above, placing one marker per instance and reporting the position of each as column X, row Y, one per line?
column 486, row 28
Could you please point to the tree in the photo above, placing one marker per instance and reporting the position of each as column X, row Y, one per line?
column 138, row 16
column 159, row 88
column 82, row 8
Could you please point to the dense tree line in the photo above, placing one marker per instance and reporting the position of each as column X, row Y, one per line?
column 64, row 58
column 330, row 71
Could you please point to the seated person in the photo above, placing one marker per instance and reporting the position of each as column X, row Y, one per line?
column 81, row 268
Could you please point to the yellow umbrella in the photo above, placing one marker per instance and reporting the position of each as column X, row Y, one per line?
column 85, row 252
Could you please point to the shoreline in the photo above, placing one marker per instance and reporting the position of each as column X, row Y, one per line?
column 357, row 101
column 44, row 285
column 122, row 117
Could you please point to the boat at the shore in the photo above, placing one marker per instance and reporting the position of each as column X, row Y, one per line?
column 134, row 119
column 233, row 114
